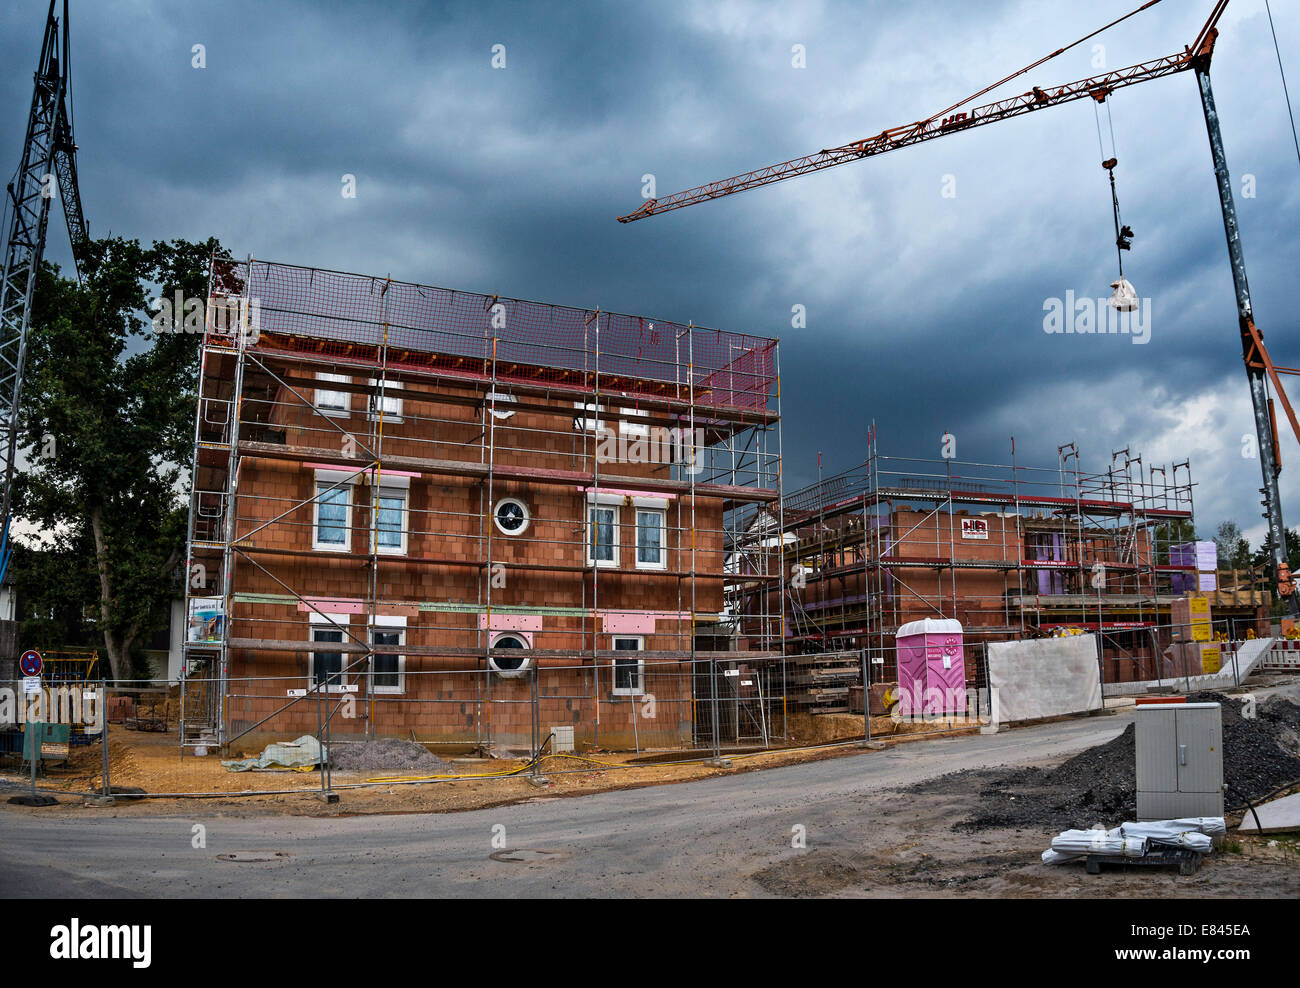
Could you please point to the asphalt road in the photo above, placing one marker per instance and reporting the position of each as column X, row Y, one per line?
column 704, row 838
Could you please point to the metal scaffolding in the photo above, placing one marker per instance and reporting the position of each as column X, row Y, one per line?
column 1009, row 550
column 488, row 396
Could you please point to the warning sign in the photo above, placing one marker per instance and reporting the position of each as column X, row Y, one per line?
column 1211, row 659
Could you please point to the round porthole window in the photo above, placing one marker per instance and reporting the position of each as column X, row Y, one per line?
column 502, row 662
column 511, row 516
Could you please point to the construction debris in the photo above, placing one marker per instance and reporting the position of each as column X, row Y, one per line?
column 1260, row 754
column 385, row 755
column 1279, row 816
column 1183, row 842
column 302, row 754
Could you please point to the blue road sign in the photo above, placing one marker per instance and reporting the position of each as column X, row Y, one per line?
column 30, row 663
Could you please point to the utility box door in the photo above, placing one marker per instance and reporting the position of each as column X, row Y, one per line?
column 1157, row 749
column 1200, row 747
column 1179, row 761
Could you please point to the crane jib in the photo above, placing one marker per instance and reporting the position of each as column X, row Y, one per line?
column 1038, row 98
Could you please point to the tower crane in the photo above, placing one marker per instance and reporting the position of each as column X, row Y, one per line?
column 49, row 160
column 1260, row 369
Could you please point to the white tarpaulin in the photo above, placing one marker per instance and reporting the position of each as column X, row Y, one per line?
column 1135, row 840
column 1044, row 677
column 1099, row 842
column 1171, row 834
column 303, row 753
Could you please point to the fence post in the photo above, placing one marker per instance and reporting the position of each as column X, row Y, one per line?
column 713, row 694
column 103, row 736
column 323, row 717
column 866, row 700
column 532, row 719
column 320, row 741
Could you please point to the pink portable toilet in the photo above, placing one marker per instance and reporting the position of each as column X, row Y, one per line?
column 930, row 658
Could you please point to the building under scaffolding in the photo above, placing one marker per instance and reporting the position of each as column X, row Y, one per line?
column 1009, row 550
column 411, row 500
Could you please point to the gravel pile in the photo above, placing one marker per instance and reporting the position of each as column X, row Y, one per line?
column 1099, row 784
column 385, row 755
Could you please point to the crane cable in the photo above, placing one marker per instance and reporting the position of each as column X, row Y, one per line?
column 1123, row 234
column 1045, row 58
column 1290, row 114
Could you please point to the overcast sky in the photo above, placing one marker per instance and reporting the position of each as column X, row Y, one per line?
column 924, row 312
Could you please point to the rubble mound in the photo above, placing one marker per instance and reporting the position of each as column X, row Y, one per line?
column 384, row 755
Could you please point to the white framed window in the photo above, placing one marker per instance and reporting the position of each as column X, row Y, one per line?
column 634, row 429
column 331, row 524
column 583, row 424
column 511, row 516
column 336, row 403
column 323, row 666
column 392, row 406
column 391, row 517
column 629, row 673
column 388, row 634
column 651, row 538
column 602, row 535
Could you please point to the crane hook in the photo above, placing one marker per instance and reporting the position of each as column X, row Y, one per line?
column 1125, row 297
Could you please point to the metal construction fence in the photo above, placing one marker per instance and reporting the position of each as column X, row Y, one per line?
column 1170, row 655
column 358, row 727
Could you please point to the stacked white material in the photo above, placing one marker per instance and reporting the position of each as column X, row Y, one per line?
column 1204, row 556
column 1207, row 566
column 1214, row 826
column 1136, row 840
column 1169, row 834
column 1100, row 842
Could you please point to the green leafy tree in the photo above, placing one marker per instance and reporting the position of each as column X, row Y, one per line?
column 56, row 588
column 107, row 421
column 1261, row 557
column 1233, row 547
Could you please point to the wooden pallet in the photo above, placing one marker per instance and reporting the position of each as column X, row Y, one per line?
column 1186, row 861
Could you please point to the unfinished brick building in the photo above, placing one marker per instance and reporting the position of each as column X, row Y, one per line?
column 1009, row 550
column 469, row 519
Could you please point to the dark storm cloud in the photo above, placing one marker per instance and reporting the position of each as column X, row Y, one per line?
column 924, row 313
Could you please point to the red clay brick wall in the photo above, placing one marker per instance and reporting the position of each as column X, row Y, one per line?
column 450, row 518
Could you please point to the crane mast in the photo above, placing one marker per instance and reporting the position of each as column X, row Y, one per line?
column 48, row 160
column 1258, row 365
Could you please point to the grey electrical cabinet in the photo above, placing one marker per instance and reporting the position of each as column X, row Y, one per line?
column 1179, row 760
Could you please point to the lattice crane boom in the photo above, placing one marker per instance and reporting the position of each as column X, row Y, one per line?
column 948, row 121
column 48, row 159
column 1098, row 87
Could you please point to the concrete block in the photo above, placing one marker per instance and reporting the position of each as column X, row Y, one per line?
column 1279, row 816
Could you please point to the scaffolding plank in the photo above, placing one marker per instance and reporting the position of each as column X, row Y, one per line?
column 463, row 468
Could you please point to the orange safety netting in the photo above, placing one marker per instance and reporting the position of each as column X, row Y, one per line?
column 362, row 319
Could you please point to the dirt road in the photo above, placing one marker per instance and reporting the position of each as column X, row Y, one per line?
column 727, row 836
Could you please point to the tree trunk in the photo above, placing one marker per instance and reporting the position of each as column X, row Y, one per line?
column 118, row 651
column 118, row 647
